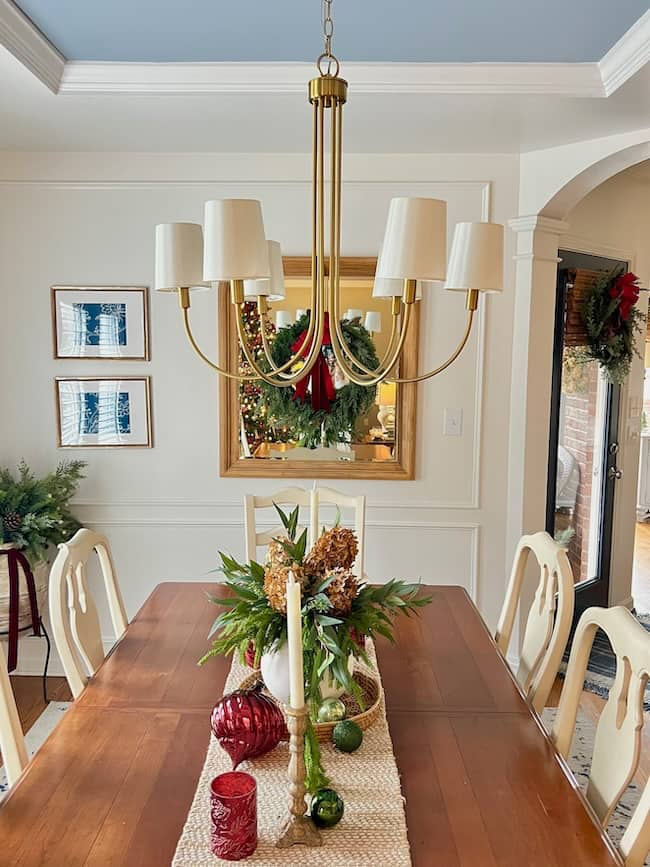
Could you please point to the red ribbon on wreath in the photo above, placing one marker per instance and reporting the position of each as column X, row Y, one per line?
column 319, row 379
column 626, row 289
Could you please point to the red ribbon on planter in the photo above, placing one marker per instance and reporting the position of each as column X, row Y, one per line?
column 16, row 558
column 319, row 379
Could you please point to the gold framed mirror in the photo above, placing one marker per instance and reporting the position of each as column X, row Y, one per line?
column 377, row 442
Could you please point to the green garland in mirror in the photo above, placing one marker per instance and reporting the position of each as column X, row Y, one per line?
column 314, row 426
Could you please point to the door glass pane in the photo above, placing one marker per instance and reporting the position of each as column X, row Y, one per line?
column 580, row 463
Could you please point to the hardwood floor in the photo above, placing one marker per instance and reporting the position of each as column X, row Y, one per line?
column 28, row 692
column 641, row 571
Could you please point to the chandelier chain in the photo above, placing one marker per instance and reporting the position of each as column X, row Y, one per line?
column 332, row 63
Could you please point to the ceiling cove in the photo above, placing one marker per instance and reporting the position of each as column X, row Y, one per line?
column 199, row 46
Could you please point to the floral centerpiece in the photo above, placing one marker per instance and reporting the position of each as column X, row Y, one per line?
column 339, row 610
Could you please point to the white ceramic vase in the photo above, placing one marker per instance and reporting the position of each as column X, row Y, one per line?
column 275, row 673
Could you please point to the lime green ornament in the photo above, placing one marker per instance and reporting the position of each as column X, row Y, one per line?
column 347, row 736
column 331, row 710
column 326, row 808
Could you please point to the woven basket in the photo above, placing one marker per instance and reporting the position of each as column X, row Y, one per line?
column 373, row 696
column 41, row 573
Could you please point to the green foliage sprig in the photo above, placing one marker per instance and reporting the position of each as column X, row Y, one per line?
column 351, row 402
column 35, row 513
column 329, row 638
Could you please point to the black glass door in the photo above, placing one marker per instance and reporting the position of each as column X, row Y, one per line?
column 583, row 471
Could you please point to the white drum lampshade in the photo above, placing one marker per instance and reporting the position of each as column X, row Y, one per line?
column 389, row 287
column 272, row 287
column 179, row 256
column 235, row 246
column 415, row 241
column 353, row 313
column 476, row 260
column 372, row 322
column 300, row 312
column 283, row 318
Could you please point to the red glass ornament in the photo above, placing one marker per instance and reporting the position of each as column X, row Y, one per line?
column 233, row 811
column 248, row 724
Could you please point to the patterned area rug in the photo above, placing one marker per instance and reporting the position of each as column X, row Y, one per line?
column 38, row 734
column 601, row 668
column 580, row 761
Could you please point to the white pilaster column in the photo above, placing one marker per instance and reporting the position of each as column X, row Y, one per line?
column 536, row 261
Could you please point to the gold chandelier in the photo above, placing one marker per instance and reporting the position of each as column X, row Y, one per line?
column 232, row 247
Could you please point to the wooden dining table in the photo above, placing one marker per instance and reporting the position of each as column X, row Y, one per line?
column 483, row 785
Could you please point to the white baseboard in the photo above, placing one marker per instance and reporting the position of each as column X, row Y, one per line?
column 31, row 656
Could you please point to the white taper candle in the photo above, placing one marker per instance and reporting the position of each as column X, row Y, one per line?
column 294, row 640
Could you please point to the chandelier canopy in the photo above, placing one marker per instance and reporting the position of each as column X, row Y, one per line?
column 232, row 247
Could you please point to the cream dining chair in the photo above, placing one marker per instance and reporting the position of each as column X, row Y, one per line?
column 330, row 497
column 549, row 619
column 73, row 614
column 12, row 742
column 286, row 498
column 618, row 734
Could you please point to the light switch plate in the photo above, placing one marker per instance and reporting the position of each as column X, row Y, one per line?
column 452, row 425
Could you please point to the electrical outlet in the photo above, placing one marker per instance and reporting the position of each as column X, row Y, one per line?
column 453, row 422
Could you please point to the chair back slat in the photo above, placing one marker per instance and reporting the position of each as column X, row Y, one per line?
column 12, row 742
column 287, row 497
column 549, row 619
column 618, row 738
column 73, row 613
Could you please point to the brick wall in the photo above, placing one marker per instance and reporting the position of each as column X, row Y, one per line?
column 578, row 438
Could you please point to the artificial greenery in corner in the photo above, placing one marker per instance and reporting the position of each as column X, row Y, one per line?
column 35, row 513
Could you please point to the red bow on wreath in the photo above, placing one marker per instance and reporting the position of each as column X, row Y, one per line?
column 626, row 289
column 319, row 379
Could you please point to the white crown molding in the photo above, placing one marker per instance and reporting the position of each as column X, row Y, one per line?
column 23, row 39
column 535, row 222
column 561, row 79
column 627, row 56
column 28, row 45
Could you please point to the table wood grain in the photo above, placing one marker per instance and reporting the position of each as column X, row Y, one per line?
column 483, row 785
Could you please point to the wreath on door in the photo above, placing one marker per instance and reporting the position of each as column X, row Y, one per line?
column 323, row 407
column 612, row 322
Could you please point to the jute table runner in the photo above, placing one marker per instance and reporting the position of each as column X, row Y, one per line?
column 372, row 832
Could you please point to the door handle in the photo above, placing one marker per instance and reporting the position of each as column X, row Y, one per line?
column 614, row 473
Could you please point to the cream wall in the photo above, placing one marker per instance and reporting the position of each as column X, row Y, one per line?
column 89, row 219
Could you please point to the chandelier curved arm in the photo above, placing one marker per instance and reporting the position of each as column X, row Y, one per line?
column 285, row 381
column 266, row 346
column 379, row 374
column 195, row 346
column 468, row 330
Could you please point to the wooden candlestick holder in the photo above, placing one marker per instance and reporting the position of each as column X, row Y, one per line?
column 298, row 828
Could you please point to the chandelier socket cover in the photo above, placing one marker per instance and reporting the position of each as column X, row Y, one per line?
column 235, row 245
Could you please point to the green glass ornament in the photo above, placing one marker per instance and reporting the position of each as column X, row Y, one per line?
column 347, row 736
column 326, row 808
column 331, row 710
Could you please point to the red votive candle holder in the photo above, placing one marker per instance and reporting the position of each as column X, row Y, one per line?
column 233, row 811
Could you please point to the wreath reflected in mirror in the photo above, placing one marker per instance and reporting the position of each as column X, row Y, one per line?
column 323, row 408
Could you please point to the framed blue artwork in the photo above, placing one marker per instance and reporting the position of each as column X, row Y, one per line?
column 94, row 411
column 100, row 322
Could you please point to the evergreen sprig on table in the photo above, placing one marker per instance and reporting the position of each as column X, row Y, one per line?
column 339, row 610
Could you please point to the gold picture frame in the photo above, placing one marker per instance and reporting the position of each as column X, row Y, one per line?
column 141, row 318
column 401, row 468
column 65, row 441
